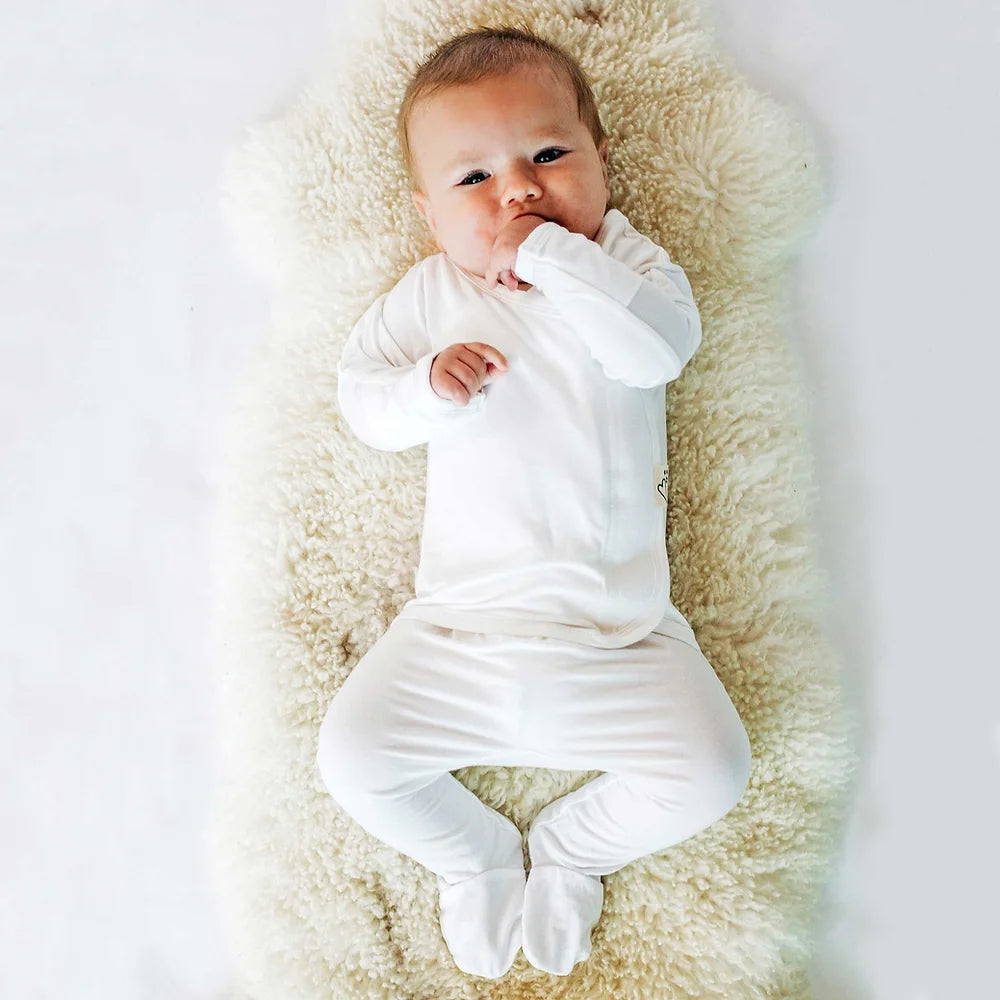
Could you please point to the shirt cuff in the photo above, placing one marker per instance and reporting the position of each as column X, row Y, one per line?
column 534, row 243
column 552, row 246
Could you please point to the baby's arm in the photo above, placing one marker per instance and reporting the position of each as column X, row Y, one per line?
column 630, row 304
column 383, row 375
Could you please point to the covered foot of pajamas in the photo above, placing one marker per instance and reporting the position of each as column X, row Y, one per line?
column 561, row 907
column 426, row 700
column 481, row 920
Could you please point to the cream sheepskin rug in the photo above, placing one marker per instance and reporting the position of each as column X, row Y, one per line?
column 316, row 536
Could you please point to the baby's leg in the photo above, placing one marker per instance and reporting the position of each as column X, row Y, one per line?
column 416, row 706
column 656, row 717
column 659, row 721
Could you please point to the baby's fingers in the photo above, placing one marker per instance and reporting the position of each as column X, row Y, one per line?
column 495, row 361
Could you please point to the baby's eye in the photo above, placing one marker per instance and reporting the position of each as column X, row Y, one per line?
column 558, row 152
column 544, row 151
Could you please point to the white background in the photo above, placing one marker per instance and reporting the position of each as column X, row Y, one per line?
column 126, row 319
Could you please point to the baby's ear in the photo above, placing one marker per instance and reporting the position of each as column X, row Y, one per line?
column 424, row 208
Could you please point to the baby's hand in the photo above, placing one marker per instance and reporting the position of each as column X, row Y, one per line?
column 458, row 372
column 505, row 247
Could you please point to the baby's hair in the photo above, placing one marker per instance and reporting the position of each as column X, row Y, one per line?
column 488, row 52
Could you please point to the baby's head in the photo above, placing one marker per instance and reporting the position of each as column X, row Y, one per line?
column 496, row 123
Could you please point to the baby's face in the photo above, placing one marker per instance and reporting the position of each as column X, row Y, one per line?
column 490, row 151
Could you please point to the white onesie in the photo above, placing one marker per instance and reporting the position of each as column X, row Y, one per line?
column 546, row 496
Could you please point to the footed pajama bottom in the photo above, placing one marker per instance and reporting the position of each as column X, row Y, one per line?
column 426, row 700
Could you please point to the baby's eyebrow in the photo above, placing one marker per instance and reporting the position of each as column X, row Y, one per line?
column 555, row 132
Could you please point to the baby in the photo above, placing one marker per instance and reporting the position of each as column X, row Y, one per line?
column 531, row 356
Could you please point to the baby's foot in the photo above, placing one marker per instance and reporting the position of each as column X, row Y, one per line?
column 481, row 920
column 561, row 907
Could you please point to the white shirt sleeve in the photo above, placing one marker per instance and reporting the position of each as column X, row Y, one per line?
column 630, row 304
column 383, row 375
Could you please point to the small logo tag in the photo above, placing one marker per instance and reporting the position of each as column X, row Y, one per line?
column 660, row 477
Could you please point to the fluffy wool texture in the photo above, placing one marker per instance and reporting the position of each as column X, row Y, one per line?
column 316, row 535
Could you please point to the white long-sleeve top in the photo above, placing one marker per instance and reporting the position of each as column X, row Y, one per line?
column 546, row 498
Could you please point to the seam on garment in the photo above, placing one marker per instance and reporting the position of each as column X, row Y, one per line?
column 611, row 438
column 654, row 453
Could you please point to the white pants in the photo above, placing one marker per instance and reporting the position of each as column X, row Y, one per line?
column 425, row 700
